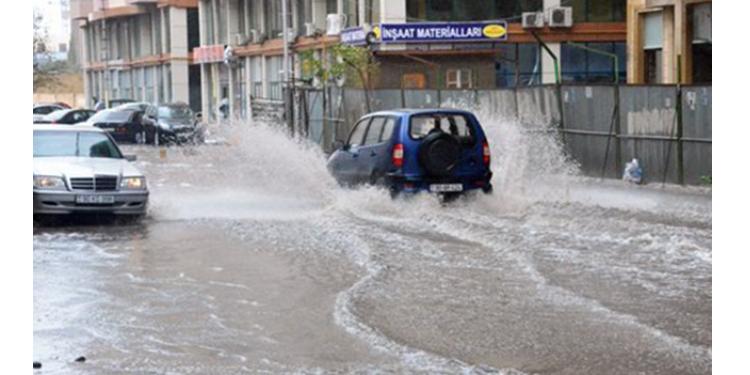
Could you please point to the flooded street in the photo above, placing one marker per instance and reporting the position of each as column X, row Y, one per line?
column 253, row 260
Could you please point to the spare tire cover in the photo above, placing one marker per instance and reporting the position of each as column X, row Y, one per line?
column 439, row 154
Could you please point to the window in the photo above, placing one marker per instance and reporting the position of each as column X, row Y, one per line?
column 598, row 10
column 453, row 124
column 468, row 10
column 222, row 21
column 387, row 129
column 273, row 18
column 458, row 79
column 351, row 10
column 372, row 11
column 358, row 134
column 374, row 131
column 581, row 65
column 652, row 45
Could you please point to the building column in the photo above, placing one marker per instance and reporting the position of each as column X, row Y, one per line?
column 179, row 55
column 205, row 92
column 669, row 47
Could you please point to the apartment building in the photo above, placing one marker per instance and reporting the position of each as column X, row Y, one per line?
column 669, row 41
column 138, row 49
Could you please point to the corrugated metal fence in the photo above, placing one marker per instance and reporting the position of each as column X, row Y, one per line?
column 666, row 127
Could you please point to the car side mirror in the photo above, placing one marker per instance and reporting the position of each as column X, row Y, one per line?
column 340, row 145
column 131, row 157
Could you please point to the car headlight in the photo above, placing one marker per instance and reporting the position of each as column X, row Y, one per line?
column 49, row 183
column 133, row 183
column 164, row 125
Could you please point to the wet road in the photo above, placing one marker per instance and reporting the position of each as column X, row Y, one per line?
column 252, row 260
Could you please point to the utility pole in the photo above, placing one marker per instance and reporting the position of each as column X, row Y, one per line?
column 286, row 88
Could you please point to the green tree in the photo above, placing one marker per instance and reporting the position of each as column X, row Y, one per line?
column 354, row 64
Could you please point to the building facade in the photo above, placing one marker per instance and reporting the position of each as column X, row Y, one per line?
column 669, row 41
column 241, row 44
column 138, row 49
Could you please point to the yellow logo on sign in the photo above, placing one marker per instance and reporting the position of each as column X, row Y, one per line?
column 494, row 31
column 376, row 31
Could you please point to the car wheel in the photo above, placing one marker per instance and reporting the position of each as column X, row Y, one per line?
column 487, row 189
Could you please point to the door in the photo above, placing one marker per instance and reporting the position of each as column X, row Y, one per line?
column 374, row 151
column 345, row 163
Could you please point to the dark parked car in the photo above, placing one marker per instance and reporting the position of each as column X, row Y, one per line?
column 176, row 122
column 66, row 116
column 125, row 126
column 438, row 150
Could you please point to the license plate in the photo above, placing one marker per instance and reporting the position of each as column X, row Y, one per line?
column 95, row 199
column 443, row 188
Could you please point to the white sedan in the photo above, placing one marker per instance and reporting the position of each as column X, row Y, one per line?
column 80, row 169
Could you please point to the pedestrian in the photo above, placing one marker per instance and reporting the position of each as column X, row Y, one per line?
column 99, row 106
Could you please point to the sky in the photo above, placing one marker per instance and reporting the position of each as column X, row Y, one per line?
column 58, row 29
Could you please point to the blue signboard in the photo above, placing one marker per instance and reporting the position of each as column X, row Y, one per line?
column 355, row 36
column 445, row 32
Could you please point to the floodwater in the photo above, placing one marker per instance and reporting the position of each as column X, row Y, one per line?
column 253, row 260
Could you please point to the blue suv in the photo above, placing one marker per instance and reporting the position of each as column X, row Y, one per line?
column 410, row 150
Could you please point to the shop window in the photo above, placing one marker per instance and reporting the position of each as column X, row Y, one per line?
column 468, row 10
column 458, row 79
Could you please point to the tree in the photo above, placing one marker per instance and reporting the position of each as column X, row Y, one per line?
column 44, row 70
column 354, row 64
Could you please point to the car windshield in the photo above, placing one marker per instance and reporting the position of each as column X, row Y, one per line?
column 72, row 143
column 453, row 124
column 175, row 113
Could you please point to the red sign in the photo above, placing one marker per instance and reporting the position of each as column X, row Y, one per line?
column 208, row 54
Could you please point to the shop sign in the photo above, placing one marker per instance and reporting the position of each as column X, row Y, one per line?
column 208, row 54
column 433, row 32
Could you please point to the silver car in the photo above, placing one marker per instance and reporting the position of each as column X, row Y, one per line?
column 80, row 169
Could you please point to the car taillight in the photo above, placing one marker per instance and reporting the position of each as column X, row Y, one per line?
column 486, row 153
column 398, row 155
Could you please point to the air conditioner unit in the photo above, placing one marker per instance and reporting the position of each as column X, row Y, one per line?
column 310, row 29
column 291, row 32
column 532, row 20
column 334, row 23
column 240, row 39
column 560, row 17
column 256, row 36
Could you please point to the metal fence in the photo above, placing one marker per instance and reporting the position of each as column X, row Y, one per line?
column 666, row 127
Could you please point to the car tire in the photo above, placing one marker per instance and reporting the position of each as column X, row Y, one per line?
column 487, row 189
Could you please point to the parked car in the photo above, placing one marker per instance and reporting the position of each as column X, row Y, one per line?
column 44, row 109
column 438, row 150
column 125, row 126
column 80, row 169
column 66, row 116
column 176, row 122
